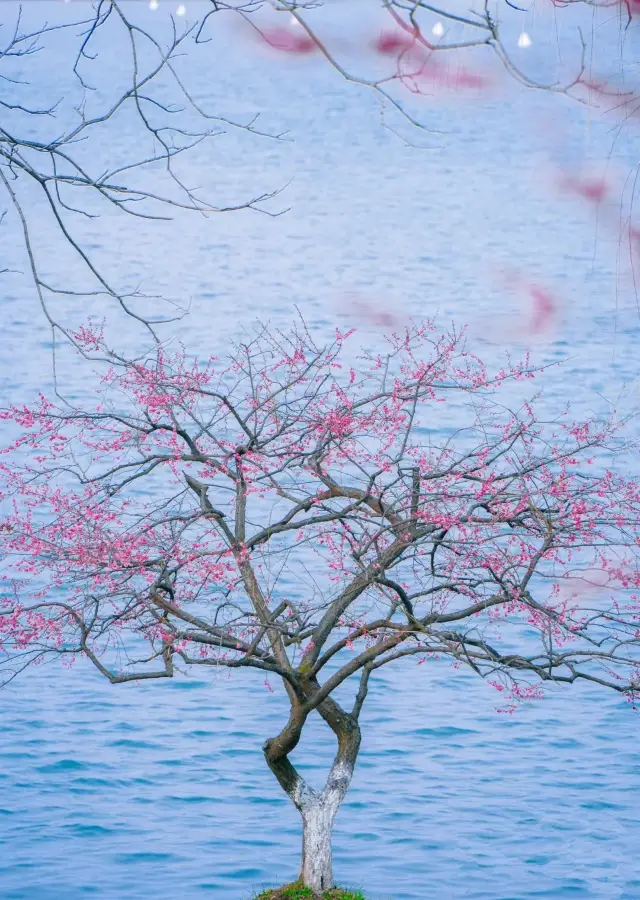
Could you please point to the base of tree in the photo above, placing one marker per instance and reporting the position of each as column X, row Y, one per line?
column 297, row 891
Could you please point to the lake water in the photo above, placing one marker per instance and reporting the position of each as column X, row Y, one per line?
column 160, row 790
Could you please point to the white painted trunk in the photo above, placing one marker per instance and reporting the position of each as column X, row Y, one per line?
column 318, row 816
column 316, row 871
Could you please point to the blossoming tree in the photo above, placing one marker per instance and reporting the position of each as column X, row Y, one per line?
column 284, row 513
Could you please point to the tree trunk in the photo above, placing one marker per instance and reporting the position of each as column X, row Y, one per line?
column 318, row 809
column 316, row 870
column 318, row 813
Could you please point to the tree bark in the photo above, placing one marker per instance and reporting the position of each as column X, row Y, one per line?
column 318, row 810
column 318, row 816
column 316, row 870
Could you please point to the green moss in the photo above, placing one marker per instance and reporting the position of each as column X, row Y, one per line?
column 298, row 891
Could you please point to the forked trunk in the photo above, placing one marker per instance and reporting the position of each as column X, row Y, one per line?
column 318, row 809
column 318, row 815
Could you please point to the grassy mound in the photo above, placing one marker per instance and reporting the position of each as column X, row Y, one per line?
column 298, row 891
